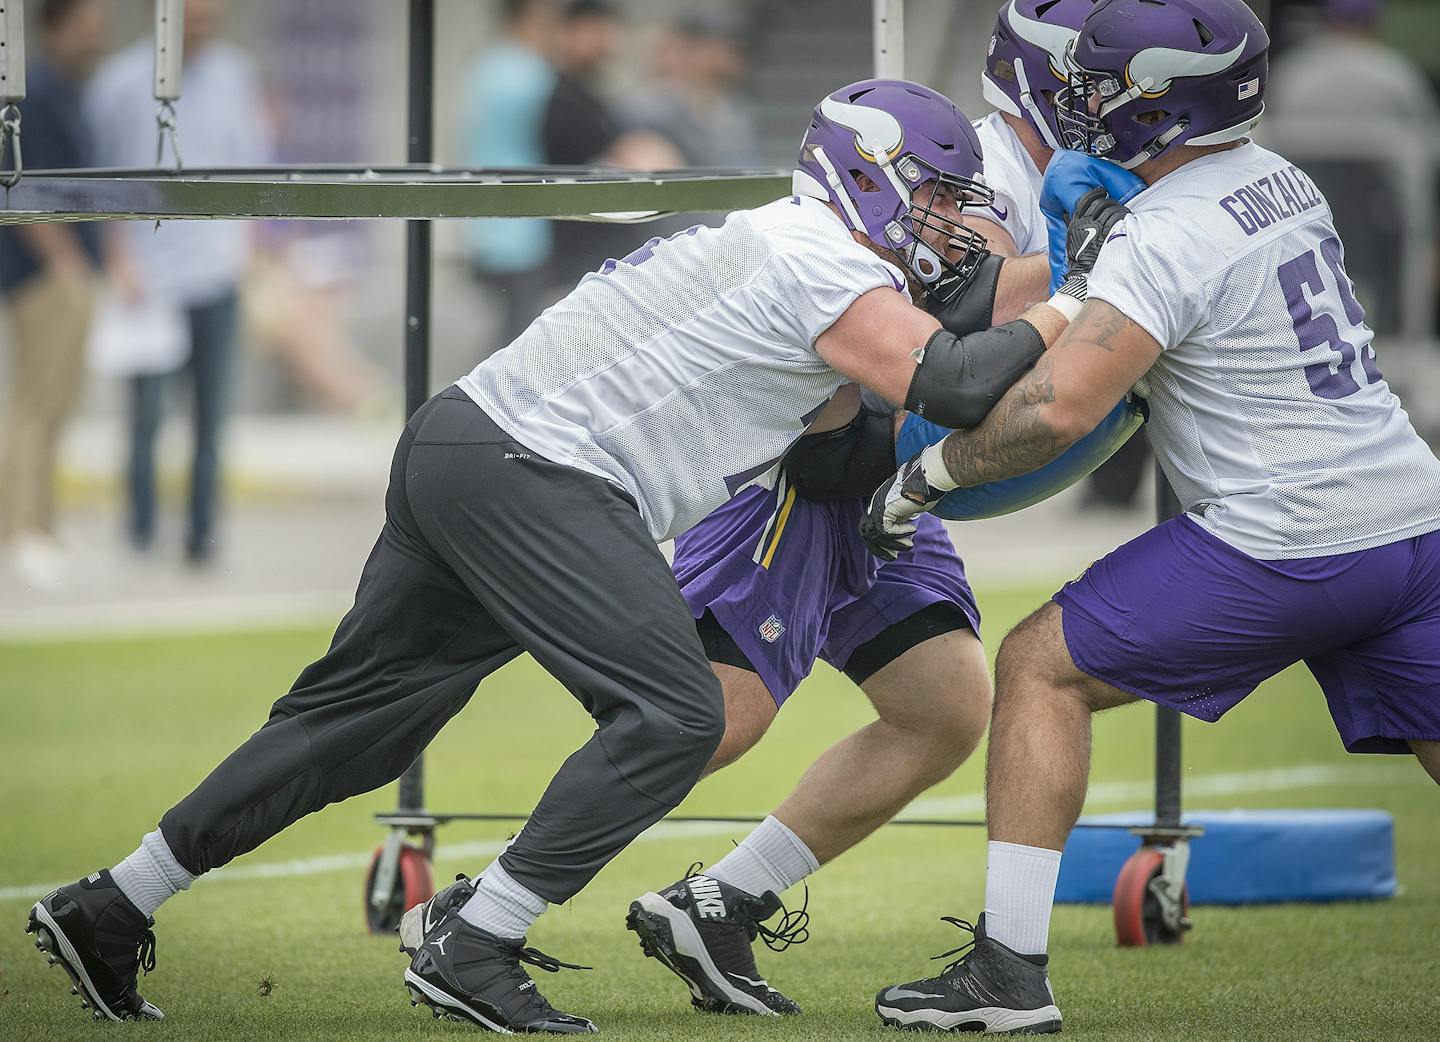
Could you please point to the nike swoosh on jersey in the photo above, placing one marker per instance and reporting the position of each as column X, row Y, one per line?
column 1002, row 214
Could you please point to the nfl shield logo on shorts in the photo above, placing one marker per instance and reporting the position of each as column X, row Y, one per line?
column 771, row 629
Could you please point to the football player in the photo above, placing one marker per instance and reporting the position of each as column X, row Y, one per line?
column 779, row 577
column 523, row 512
column 1311, row 528
column 1024, row 70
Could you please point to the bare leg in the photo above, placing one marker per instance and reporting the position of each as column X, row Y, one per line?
column 1428, row 753
column 1039, row 758
column 749, row 711
column 933, row 702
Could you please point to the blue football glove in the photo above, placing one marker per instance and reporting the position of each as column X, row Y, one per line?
column 1068, row 177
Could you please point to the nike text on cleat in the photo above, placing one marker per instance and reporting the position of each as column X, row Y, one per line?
column 990, row 988
column 469, row 975
column 701, row 929
column 101, row 939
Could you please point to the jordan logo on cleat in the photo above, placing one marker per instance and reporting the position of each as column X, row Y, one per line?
column 439, row 942
column 708, row 902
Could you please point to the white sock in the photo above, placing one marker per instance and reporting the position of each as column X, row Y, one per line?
column 1019, row 893
column 771, row 858
column 502, row 906
column 151, row 875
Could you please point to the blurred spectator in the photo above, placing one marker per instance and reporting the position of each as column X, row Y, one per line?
column 1344, row 72
column 47, row 279
column 697, row 66
column 1341, row 80
column 581, row 129
column 297, row 300
column 299, row 293
column 192, row 266
column 502, row 117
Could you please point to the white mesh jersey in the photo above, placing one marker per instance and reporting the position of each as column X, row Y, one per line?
column 1268, row 409
column 683, row 372
column 1011, row 172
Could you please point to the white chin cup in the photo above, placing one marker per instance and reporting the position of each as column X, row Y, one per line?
column 926, row 263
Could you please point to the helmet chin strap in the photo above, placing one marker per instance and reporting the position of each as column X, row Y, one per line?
column 1032, row 109
column 922, row 251
column 1125, row 97
column 1155, row 147
column 837, row 190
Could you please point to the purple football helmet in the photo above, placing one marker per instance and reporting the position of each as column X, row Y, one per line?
column 1167, row 72
column 1025, row 68
column 911, row 146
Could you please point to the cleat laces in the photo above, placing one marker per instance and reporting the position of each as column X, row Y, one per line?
column 793, row 927
column 965, row 950
column 145, row 951
column 548, row 963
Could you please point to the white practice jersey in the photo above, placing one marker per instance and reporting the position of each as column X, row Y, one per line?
column 1011, row 172
column 1268, row 410
column 685, row 371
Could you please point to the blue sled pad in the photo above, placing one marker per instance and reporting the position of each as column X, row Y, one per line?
column 1248, row 857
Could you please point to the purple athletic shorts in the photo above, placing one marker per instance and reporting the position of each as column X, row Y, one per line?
column 1182, row 618
column 791, row 581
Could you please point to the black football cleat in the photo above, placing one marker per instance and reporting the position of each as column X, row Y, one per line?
column 990, row 988
column 421, row 919
column 701, row 930
column 101, row 939
column 467, row 974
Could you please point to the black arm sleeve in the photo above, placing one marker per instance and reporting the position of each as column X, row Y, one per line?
column 960, row 379
column 974, row 306
column 845, row 463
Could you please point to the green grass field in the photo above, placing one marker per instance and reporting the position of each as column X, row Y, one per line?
column 97, row 738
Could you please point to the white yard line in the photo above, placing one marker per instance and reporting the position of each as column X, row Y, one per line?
column 1278, row 779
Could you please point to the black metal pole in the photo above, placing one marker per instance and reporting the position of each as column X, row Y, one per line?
column 1167, row 721
column 419, row 259
column 420, row 148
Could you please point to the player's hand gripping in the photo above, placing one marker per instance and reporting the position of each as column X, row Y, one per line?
column 888, row 526
column 1095, row 216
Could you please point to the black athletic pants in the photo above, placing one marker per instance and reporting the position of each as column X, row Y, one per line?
column 487, row 551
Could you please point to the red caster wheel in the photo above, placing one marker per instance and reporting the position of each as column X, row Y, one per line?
column 1151, row 904
column 410, row 884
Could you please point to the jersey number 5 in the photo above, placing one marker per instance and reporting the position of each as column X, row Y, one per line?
column 1301, row 275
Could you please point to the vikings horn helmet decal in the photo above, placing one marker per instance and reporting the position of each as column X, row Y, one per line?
column 877, row 133
column 1155, row 68
column 1166, row 73
column 1026, row 65
column 884, row 152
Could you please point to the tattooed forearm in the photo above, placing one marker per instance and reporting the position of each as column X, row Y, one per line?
column 1014, row 439
column 1101, row 332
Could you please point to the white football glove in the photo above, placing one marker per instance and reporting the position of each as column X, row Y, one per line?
column 889, row 524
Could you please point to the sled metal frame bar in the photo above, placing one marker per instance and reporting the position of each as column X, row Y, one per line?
column 1167, row 720
column 888, row 20
column 12, row 51
column 425, row 823
column 419, row 261
column 12, row 90
column 418, row 192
